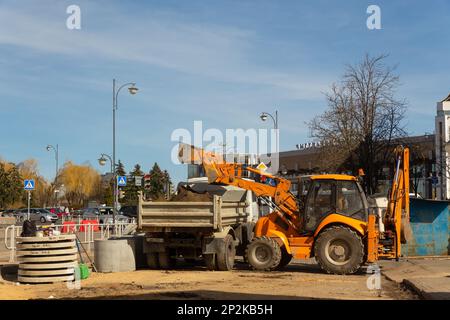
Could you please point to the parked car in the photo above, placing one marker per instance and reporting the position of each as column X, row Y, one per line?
column 60, row 213
column 77, row 213
column 37, row 214
column 103, row 214
column 129, row 211
column 8, row 213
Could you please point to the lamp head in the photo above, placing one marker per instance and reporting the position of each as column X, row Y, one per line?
column 48, row 147
column 263, row 116
column 133, row 89
column 102, row 160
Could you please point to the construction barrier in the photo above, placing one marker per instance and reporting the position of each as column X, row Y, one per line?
column 94, row 225
column 68, row 227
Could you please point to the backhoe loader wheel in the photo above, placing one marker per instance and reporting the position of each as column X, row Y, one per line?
column 264, row 253
column 285, row 259
column 226, row 254
column 339, row 250
column 152, row 260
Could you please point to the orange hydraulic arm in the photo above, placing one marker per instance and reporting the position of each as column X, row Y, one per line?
column 387, row 243
column 398, row 207
column 222, row 172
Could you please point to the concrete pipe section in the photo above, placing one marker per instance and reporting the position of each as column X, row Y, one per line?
column 115, row 255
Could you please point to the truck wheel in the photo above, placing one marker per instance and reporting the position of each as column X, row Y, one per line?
column 210, row 261
column 264, row 253
column 285, row 259
column 226, row 254
column 339, row 250
column 152, row 260
column 165, row 260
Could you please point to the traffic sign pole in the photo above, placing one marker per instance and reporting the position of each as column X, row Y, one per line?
column 28, row 186
column 29, row 201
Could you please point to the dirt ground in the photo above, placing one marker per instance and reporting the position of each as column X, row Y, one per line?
column 297, row 281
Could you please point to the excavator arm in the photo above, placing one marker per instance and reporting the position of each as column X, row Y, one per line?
column 384, row 238
column 396, row 219
column 263, row 185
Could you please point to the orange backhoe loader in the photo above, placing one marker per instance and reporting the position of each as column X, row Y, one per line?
column 334, row 224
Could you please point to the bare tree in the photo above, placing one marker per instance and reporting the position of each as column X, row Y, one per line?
column 362, row 119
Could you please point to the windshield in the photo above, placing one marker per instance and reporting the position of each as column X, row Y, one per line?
column 106, row 211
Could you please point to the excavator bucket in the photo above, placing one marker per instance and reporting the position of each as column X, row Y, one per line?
column 192, row 155
column 406, row 234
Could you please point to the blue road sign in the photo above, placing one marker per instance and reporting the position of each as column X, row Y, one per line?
column 121, row 181
column 434, row 180
column 28, row 184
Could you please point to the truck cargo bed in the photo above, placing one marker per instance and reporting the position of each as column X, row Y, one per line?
column 176, row 216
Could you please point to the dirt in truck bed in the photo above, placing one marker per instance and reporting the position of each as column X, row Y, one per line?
column 190, row 196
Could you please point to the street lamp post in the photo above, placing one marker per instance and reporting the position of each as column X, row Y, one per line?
column 56, row 150
column 132, row 90
column 102, row 161
column 264, row 116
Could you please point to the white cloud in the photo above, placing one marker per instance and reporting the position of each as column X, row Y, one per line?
column 218, row 52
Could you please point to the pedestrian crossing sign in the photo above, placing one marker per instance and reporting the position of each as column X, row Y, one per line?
column 121, row 181
column 28, row 184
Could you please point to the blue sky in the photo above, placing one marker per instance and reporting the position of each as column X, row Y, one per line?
column 222, row 62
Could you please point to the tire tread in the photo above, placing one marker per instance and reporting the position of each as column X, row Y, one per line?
column 324, row 266
column 276, row 250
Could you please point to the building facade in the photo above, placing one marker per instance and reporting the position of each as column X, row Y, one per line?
column 442, row 141
column 429, row 159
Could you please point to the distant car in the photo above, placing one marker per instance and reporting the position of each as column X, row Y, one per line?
column 413, row 195
column 9, row 213
column 129, row 211
column 60, row 213
column 103, row 214
column 77, row 213
column 37, row 214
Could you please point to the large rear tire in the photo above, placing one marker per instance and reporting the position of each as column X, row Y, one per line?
column 264, row 253
column 226, row 254
column 339, row 250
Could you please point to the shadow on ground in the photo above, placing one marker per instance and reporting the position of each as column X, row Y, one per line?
column 195, row 295
column 312, row 268
column 9, row 272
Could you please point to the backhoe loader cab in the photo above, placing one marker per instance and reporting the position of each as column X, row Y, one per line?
column 333, row 194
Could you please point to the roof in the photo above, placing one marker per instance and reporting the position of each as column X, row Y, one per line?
column 446, row 99
column 333, row 177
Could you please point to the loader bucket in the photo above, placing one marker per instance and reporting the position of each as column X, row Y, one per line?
column 406, row 234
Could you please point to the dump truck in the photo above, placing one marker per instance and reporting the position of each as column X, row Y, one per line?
column 215, row 228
